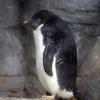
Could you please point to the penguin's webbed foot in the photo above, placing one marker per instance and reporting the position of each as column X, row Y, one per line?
column 49, row 97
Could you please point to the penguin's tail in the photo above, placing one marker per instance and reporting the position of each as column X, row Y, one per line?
column 79, row 96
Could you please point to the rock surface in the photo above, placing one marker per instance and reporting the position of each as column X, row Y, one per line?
column 90, row 71
column 17, row 51
column 23, row 99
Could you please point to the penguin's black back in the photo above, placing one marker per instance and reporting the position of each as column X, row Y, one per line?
column 60, row 35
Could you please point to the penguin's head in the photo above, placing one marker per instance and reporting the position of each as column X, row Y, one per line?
column 39, row 18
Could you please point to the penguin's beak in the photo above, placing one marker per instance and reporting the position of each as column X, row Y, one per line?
column 27, row 23
column 31, row 23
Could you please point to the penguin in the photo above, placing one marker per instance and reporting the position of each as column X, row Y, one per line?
column 56, row 55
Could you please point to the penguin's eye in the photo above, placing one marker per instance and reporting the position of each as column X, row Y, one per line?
column 38, row 20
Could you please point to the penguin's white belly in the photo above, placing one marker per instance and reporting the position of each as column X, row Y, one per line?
column 49, row 83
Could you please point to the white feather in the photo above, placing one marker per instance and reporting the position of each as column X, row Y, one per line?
column 65, row 94
column 49, row 83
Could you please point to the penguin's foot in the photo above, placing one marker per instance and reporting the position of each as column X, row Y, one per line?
column 49, row 97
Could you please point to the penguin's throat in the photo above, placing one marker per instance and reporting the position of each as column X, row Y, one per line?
column 38, row 37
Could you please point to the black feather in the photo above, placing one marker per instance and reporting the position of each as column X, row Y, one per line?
column 48, row 56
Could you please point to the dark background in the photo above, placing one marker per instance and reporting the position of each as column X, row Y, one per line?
column 17, row 52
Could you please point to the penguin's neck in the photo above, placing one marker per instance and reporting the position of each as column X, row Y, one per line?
column 38, row 38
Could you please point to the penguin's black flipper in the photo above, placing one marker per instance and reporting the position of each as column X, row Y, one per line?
column 79, row 96
column 48, row 56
